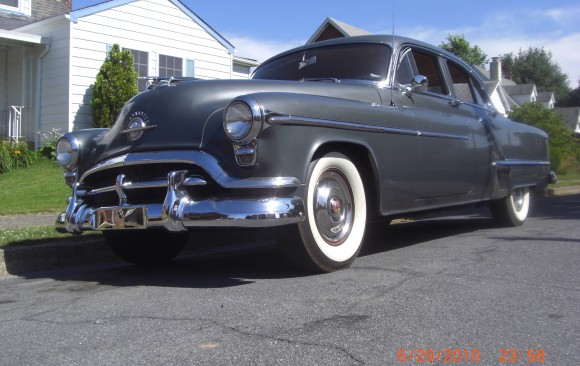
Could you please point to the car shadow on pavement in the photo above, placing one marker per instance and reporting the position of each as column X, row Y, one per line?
column 227, row 265
column 226, row 258
column 395, row 236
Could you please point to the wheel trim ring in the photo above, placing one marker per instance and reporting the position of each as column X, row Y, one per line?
column 333, row 207
column 518, row 199
column 344, row 252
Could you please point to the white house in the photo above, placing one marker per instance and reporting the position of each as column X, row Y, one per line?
column 47, row 67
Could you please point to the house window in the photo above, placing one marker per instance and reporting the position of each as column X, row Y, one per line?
column 11, row 3
column 19, row 6
column 190, row 68
column 141, row 64
column 170, row 66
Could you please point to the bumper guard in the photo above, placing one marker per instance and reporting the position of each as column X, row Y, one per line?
column 178, row 212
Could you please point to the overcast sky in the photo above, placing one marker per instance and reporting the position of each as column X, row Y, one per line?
column 261, row 28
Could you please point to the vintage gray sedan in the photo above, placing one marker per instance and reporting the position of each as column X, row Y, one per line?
column 324, row 139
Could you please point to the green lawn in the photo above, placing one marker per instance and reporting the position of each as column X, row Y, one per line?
column 40, row 235
column 568, row 180
column 39, row 188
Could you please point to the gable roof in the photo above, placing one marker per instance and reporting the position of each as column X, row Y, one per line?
column 523, row 89
column 545, row 97
column 346, row 30
column 89, row 10
column 571, row 116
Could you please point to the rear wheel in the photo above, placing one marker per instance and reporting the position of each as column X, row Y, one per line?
column 331, row 236
column 512, row 210
column 145, row 246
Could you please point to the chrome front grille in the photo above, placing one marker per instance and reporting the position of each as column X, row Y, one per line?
column 139, row 184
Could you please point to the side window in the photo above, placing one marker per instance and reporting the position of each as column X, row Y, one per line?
column 465, row 88
column 414, row 63
column 407, row 69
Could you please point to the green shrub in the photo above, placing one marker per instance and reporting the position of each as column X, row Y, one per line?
column 15, row 155
column 48, row 140
column 116, row 83
column 564, row 148
column 555, row 158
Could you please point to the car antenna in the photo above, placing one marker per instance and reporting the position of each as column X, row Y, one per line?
column 393, row 53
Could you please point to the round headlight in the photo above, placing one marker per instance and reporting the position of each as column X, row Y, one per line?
column 67, row 151
column 238, row 121
column 243, row 120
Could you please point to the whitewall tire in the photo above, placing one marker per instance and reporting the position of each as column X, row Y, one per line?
column 512, row 210
column 331, row 236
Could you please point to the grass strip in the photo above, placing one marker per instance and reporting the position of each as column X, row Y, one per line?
column 38, row 188
column 567, row 180
column 41, row 235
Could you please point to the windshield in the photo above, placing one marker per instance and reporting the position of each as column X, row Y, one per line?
column 359, row 61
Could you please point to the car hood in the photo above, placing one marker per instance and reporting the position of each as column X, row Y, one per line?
column 176, row 116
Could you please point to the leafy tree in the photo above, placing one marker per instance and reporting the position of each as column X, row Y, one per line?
column 573, row 99
column 116, row 83
column 535, row 66
column 564, row 149
column 459, row 46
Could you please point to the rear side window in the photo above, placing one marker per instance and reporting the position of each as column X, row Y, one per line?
column 464, row 86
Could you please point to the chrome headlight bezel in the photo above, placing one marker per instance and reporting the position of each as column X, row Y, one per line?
column 68, row 151
column 243, row 120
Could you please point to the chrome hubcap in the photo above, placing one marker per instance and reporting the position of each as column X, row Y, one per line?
column 333, row 207
column 518, row 198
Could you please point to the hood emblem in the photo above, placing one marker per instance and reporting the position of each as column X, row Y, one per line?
column 138, row 123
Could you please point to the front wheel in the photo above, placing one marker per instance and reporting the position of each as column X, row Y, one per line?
column 145, row 246
column 331, row 236
column 513, row 209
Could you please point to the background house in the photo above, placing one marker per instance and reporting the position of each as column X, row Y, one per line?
column 572, row 117
column 17, row 13
column 332, row 28
column 47, row 66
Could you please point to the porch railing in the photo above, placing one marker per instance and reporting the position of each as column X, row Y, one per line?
column 15, row 123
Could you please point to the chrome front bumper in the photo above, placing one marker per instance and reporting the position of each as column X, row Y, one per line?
column 179, row 211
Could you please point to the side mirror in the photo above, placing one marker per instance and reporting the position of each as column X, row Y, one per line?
column 419, row 84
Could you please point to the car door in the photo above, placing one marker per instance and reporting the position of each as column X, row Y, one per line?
column 446, row 148
column 473, row 103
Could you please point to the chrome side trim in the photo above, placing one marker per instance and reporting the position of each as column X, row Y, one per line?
column 516, row 162
column 353, row 126
column 315, row 122
column 443, row 135
column 179, row 211
column 199, row 158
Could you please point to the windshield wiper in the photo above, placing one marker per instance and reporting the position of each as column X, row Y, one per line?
column 334, row 80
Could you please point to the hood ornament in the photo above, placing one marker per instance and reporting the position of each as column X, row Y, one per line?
column 138, row 123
